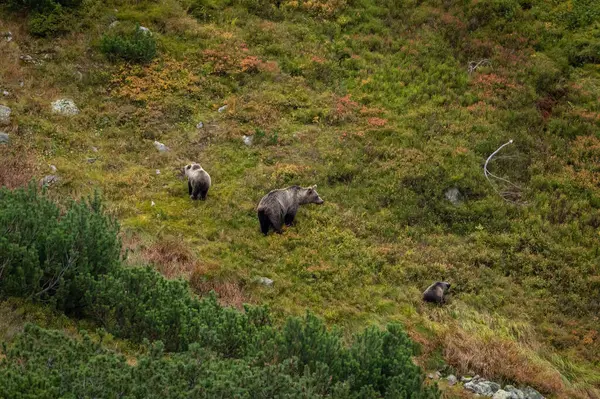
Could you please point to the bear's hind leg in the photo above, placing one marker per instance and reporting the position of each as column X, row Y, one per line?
column 196, row 192
column 203, row 194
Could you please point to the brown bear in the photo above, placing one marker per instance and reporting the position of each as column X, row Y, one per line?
column 436, row 292
column 280, row 206
column 198, row 181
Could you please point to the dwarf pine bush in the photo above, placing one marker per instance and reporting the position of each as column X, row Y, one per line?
column 72, row 258
column 129, row 44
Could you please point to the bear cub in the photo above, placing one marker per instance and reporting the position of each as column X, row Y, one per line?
column 280, row 206
column 436, row 292
column 198, row 181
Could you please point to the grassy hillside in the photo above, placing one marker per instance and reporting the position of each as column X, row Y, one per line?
column 385, row 105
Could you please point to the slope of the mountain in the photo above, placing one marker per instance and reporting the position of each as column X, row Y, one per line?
column 391, row 107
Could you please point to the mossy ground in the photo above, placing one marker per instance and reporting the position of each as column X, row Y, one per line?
column 376, row 104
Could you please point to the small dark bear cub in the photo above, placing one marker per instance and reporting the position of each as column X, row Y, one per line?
column 436, row 292
column 198, row 181
column 280, row 206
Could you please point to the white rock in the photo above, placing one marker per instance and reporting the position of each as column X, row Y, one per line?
column 152, row 203
column 26, row 58
column 531, row 393
column 7, row 36
column 113, row 24
column 451, row 380
column 502, row 394
column 65, row 106
column 453, row 195
column 48, row 180
column 5, row 115
column 222, row 109
column 515, row 393
column 53, row 168
column 247, row 140
column 160, row 146
column 94, row 149
column 145, row 30
column 265, row 281
column 200, row 125
column 5, row 93
column 4, row 138
column 158, row 171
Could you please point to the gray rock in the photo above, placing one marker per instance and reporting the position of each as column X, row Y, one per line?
column 222, row 109
column 482, row 387
column 7, row 36
column 502, row 394
column 65, row 106
column 145, row 30
column 91, row 160
column 5, row 93
column 21, row 83
column 451, row 380
column 113, row 24
column 4, row 139
column 247, row 140
column 514, row 392
column 453, row 195
column 531, row 393
column 94, row 149
column 200, row 125
column 53, row 168
column 49, row 180
column 26, row 58
column 4, row 115
column 265, row 281
column 158, row 171
column 160, row 147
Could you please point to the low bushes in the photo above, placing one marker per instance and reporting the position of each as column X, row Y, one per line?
column 130, row 43
column 71, row 259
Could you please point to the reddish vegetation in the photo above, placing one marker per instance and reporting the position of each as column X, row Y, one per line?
column 17, row 166
column 229, row 292
column 379, row 122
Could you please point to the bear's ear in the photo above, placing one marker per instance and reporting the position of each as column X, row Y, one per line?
column 314, row 187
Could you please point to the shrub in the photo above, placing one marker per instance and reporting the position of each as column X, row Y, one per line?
column 129, row 44
column 53, row 22
column 72, row 258
column 51, row 255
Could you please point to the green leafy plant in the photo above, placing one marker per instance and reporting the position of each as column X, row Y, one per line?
column 129, row 44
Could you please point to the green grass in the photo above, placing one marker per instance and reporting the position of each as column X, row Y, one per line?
column 378, row 109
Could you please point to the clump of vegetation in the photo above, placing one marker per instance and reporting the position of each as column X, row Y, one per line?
column 129, row 43
column 47, row 18
column 72, row 260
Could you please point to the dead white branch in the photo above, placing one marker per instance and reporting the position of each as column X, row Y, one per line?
column 473, row 65
column 510, row 194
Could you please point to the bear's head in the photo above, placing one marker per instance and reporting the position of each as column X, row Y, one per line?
column 192, row 166
column 311, row 196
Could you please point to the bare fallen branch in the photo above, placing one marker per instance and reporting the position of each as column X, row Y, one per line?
column 473, row 65
column 512, row 193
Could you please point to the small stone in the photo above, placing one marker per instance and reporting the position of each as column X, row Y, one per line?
column 91, row 160
column 26, row 58
column 430, row 376
column 453, row 195
column 222, row 109
column 531, row 393
column 4, row 138
column 94, row 149
column 7, row 36
column 265, row 281
column 502, row 394
column 200, row 125
column 160, row 147
column 451, row 380
column 113, row 24
column 437, row 375
column 21, row 83
column 5, row 93
column 158, row 171
column 152, row 203
column 65, row 106
column 247, row 140
column 145, row 30
column 49, row 180
column 53, row 168
column 5, row 115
